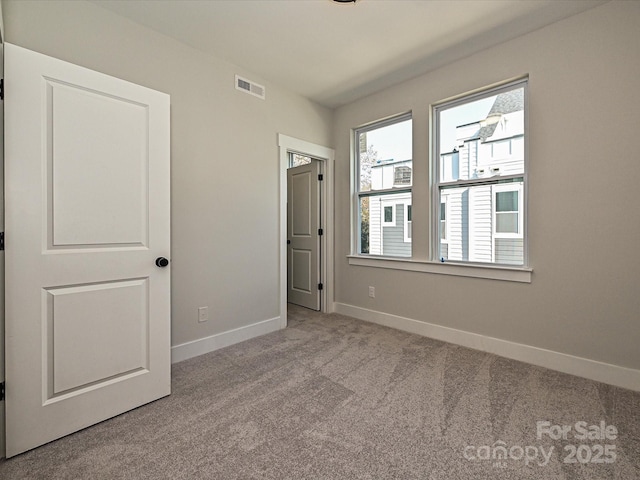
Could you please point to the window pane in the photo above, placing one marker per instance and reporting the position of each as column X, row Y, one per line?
column 469, row 225
column 388, row 214
column 296, row 160
column 482, row 138
column 385, row 156
column 480, row 176
column 507, row 222
column 382, row 232
column 507, row 201
column 364, row 225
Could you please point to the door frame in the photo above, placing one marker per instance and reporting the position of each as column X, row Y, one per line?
column 2, row 403
column 326, row 156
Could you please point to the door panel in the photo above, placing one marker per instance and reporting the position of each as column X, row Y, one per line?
column 87, row 213
column 301, row 261
column 304, row 242
column 301, row 191
column 91, row 212
column 111, row 318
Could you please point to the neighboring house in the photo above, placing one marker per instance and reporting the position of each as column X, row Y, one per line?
column 485, row 223
column 390, row 215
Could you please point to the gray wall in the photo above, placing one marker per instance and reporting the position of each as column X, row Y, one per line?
column 584, row 220
column 224, row 155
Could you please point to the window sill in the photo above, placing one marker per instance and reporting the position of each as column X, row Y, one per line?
column 492, row 272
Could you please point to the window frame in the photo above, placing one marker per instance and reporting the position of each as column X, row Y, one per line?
column 359, row 195
column 437, row 185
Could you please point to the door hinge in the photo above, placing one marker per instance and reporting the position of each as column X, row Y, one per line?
column 1, row 240
column 320, row 177
column 320, row 231
column 1, row 88
column 319, row 286
column 1, row 391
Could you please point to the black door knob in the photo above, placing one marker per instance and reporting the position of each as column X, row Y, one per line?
column 162, row 262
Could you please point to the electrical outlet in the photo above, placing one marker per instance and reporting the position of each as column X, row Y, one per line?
column 372, row 292
column 203, row 314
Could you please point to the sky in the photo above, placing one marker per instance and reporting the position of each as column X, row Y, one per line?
column 394, row 141
column 461, row 115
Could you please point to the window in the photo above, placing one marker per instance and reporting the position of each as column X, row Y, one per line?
column 383, row 187
column 508, row 239
column 480, row 177
column 296, row 160
column 388, row 218
column 443, row 218
column 507, row 211
column 407, row 223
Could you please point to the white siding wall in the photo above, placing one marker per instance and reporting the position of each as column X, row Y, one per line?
column 375, row 232
column 376, row 178
column 464, row 162
column 457, row 250
column 472, row 147
column 480, row 224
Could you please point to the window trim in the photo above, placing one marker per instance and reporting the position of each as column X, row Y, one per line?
column 485, row 270
column 436, row 184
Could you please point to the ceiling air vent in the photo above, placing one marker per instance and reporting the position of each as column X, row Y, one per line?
column 249, row 87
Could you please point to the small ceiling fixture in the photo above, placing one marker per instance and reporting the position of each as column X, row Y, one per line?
column 345, row 1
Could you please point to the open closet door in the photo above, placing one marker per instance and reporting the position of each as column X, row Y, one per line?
column 87, row 217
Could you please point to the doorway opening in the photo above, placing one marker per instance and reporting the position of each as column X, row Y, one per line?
column 295, row 152
column 304, row 231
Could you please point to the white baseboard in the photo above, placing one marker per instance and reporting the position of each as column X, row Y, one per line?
column 582, row 367
column 201, row 346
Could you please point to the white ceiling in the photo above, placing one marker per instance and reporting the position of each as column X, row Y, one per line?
column 336, row 53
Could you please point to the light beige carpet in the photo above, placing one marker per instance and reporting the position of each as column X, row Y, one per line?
column 331, row 397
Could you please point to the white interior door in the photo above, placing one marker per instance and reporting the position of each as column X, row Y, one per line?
column 303, row 223
column 87, row 214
